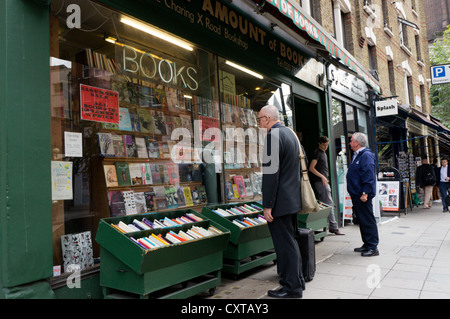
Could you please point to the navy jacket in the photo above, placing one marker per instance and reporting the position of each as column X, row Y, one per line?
column 361, row 175
column 281, row 175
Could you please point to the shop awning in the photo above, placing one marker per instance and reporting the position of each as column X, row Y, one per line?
column 423, row 119
column 294, row 17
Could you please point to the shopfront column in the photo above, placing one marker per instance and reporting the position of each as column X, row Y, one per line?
column 25, row 205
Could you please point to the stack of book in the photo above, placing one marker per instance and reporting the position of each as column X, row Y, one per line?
column 238, row 210
column 145, row 224
column 157, row 241
column 249, row 221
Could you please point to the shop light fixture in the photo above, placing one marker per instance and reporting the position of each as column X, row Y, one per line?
column 188, row 97
column 110, row 39
column 155, row 32
column 239, row 67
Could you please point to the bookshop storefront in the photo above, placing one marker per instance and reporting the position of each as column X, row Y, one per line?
column 156, row 102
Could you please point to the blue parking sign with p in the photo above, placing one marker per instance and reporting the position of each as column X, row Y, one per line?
column 439, row 72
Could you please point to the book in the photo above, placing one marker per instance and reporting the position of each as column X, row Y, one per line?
column 156, row 177
column 141, row 205
column 130, row 145
column 119, row 147
column 160, row 97
column 239, row 181
column 235, row 190
column 146, row 174
column 171, row 197
column 185, row 172
column 174, row 176
column 160, row 197
column 135, row 170
column 164, row 150
column 135, row 122
column 123, row 174
column 141, row 147
column 195, row 195
column 180, row 196
column 150, row 200
column 248, row 187
column 202, row 194
column 124, row 119
column 116, row 203
column 163, row 173
column 159, row 122
column 188, row 196
column 146, row 120
column 105, row 144
column 152, row 147
column 130, row 204
column 110, row 175
column 229, row 190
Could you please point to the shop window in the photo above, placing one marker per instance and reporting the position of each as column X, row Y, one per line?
column 243, row 93
column 125, row 103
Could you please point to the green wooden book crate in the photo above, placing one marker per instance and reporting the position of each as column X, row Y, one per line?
column 126, row 266
column 247, row 247
column 317, row 221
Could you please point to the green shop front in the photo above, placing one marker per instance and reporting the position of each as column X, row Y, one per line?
column 168, row 89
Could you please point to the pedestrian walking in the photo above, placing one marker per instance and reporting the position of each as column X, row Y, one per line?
column 444, row 183
column 281, row 200
column 319, row 178
column 426, row 179
column 361, row 185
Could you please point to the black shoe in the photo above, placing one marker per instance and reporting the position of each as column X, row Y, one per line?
column 370, row 253
column 280, row 293
column 360, row 249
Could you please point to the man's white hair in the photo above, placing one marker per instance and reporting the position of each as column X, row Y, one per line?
column 271, row 111
column 361, row 138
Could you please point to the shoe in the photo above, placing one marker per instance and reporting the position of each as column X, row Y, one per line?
column 370, row 253
column 445, row 211
column 280, row 293
column 336, row 232
column 360, row 249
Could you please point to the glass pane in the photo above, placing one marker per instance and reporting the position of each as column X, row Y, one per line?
column 243, row 95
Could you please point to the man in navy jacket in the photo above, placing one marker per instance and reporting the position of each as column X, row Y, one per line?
column 281, row 200
column 361, row 185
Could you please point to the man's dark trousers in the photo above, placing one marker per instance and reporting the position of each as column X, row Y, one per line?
column 367, row 222
column 289, row 260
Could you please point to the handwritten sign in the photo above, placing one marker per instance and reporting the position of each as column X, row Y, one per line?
column 99, row 105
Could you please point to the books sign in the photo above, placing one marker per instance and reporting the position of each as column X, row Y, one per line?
column 386, row 107
column 99, row 105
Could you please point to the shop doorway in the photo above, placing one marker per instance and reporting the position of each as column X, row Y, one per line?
column 307, row 123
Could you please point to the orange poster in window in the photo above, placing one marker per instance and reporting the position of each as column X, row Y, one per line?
column 99, row 105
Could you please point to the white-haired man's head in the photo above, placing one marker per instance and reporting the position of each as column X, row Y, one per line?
column 268, row 116
column 358, row 140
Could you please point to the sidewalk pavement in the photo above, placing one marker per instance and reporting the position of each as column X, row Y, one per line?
column 414, row 263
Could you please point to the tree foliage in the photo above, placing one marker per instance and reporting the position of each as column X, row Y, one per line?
column 440, row 94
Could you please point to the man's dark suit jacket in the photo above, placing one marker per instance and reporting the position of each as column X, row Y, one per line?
column 437, row 172
column 281, row 183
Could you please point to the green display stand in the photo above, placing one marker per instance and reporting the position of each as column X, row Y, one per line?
column 127, row 268
column 317, row 221
column 248, row 247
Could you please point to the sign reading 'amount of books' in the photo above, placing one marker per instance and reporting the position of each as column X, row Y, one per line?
column 99, row 105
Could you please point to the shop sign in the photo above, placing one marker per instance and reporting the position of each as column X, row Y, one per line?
column 348, row 84
column 99, row 105
column 153, row 66
column 386, row 107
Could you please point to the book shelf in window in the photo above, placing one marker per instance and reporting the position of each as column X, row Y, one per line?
column 249, row 246
column 242, row 164
column 129, row 267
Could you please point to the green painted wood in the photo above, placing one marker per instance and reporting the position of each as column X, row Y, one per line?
column 25, row 194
